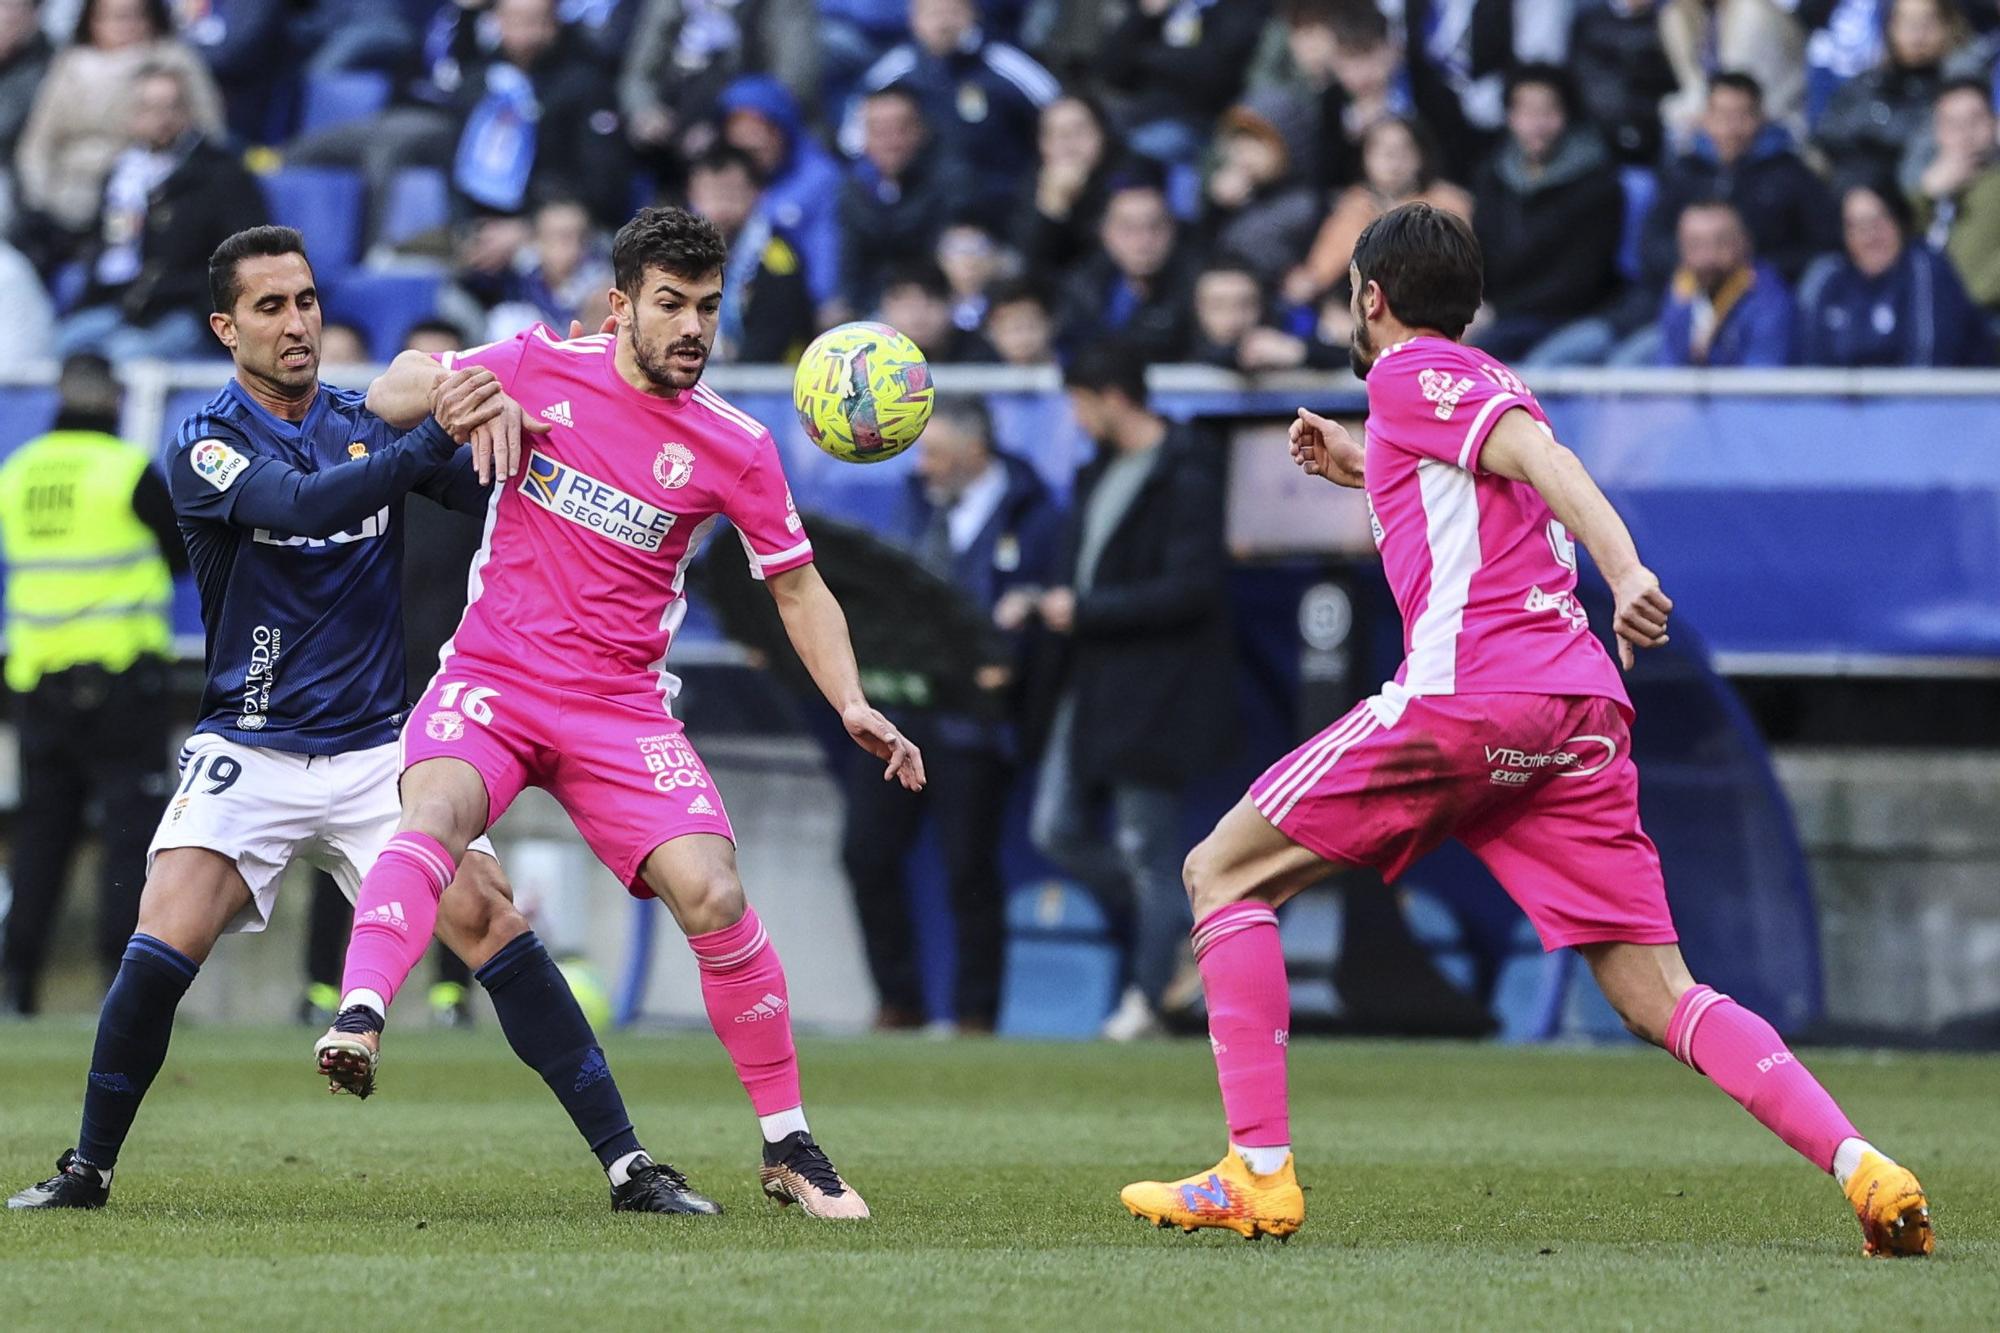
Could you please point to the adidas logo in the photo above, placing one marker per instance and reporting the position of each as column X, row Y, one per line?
column 701, row 805
column 771, row 1006
column 559, row 414
column 388, row 914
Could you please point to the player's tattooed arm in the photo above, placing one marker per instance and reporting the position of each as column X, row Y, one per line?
column 1522, row 449
column 1323, row 448
column 817, row 628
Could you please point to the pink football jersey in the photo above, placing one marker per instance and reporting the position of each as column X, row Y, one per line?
column 1484, row 575
column 580, row 575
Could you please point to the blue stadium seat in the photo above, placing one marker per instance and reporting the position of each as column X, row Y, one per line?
column 336, row 99
column 1061, row 974
column 419, row 201
column 383, row 305
column 324, row 203
column 1641, row 188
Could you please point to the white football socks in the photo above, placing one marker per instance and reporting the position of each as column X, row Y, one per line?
column 1263, row 1161
column 779, row 1124
column 620, row 1171
column 1847, row 1158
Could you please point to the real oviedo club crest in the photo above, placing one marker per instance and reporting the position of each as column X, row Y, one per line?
column 675, row 465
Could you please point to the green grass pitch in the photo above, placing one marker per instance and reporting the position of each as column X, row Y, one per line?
column 1448, row 1187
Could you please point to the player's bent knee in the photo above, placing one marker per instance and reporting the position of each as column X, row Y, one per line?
column 711, row 902
column 1205, row 876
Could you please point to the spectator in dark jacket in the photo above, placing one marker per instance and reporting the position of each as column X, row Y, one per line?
column 1060, row 206
column 1622, row 74
column 767, row 308
column 24, row 57
column 1724, row 308
column 802, row 181
column 1877, row 118
column 1887, row 301
column 980, row 97
column 1548, row 210
column 683, row 54
column 916, row 298
column 1253, row 205
column 1177, row 65
column 898, row 195
column 171, row 198
column 1144, row 701
column 1744, row 158
column 248, row 47
column 983, row 520
column 1136, row 287
column 537, row 117
column 1347, row 72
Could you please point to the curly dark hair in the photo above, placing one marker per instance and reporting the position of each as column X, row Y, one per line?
column 671, row 239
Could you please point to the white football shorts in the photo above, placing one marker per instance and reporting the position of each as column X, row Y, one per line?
column 262, row 808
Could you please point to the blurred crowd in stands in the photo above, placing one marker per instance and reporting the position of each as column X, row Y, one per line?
column 1655, row 182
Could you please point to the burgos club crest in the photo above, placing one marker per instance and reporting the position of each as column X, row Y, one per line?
column 674, row 468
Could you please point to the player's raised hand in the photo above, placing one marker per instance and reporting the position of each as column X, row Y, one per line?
column 496, row 445
column 877, row 735
column 1641, row 618
column 1323, row 448
column 610, row 325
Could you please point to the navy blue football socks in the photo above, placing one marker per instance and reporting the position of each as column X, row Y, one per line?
column 133, row 1030
column 547, row 1029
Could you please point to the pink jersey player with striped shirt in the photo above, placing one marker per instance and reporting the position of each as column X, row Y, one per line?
column 557, row 676
column 1506, row 725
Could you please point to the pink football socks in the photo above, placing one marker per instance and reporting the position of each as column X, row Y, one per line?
column 395, row 915
column 1242, row 966
column 1745, row 1057
column 743, row 988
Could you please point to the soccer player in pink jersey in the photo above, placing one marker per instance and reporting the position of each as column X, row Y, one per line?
column 557, row 676
column 1505, row 727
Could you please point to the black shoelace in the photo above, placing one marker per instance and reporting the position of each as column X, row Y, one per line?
column 810, row 1162
column 653, row 1174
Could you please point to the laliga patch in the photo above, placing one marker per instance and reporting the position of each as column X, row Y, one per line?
column 216, row 463
column 674, row 468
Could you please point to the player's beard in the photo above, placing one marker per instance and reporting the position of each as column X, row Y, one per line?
column 1361, row 351
column 664, row 367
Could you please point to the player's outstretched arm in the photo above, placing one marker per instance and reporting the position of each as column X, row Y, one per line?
column 279, row 497
column 401, row 395
column 1521, row 449
column 817, row 628
column 471, row 402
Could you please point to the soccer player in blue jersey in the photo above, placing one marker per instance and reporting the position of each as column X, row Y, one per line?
column 286, row 489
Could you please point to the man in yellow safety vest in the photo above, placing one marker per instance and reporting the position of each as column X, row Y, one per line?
column 88, row 535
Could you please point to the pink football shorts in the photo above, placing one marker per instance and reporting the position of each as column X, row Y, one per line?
column 1542, row 788
column 620, row 764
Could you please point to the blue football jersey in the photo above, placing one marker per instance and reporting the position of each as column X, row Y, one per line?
column 304, row 634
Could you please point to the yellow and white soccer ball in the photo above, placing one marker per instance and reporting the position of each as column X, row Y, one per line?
column 863, row 392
